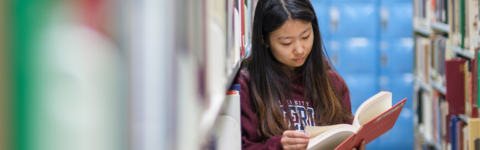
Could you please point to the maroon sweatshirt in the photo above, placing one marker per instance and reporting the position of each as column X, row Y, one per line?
column 250, row 137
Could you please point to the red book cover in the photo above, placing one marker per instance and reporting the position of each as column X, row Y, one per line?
column 474, row 93
column 455, row 73
column 374, row 128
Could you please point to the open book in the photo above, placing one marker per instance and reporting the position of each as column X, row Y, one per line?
column 372, row 119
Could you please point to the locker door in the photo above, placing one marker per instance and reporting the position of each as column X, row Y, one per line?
column 401, row 135
column 362, row 86
column 321, row 9
column 346, row 1
column 354, row 19
column 354, row 55
column 396, row 55
column 396, row 18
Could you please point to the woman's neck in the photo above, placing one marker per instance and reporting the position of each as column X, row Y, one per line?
column 290, row 71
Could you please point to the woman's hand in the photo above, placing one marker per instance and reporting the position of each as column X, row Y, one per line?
column 362, row 146
column 294, row 140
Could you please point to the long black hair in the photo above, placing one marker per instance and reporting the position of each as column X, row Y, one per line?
column 268, row 83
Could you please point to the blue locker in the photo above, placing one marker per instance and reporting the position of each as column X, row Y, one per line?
column 348, row 1
column 354, row 55
column 400, row 84
column 361, row 86
column 321, row 9
column 396, row 18
column 401, row 135
column 395, row 1
column 332, row 51
column 354, row 19
column 396, row 54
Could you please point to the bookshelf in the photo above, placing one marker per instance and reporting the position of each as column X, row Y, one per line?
column 463, row 52
column 439, row 88
column 423, row 85
column 442, row 27
column 423, row 31
column 228, row 34
column 464, row 118
column 445, row 39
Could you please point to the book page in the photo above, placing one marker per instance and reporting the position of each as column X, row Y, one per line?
column 331, row 138
column 314, row 131
column 372, row 107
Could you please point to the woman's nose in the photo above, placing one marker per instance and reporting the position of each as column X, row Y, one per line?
column 298, row 48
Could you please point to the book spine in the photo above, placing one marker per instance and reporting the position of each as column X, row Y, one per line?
column 462, row 23
column 453, row 135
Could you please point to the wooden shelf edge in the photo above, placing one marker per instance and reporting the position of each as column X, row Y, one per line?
column 463, row 52
column 430, row 142
column 463, row 118
column 445, row 28
column 423, row 31
column 439, row 88
column 423, row 85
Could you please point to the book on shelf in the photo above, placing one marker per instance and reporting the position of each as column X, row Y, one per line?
column 422, row 60
column 471, row 25
column 438, row 59
column 427, row 125
column 456, row 72
column 436, row 117
column 473, row 133
column 453, row 136
column 372, row 119
column 474, row 86
column 443, row 117
column 441, row 10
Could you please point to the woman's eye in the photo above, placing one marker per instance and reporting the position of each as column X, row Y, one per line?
column 306, row 37
column 286, row 43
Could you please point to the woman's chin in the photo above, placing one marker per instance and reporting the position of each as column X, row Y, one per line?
column 297, row 64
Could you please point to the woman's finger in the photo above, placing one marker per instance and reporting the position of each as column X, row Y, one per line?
column 294, row 141
column 296, row 147
column 362, row 146
column 295, row 134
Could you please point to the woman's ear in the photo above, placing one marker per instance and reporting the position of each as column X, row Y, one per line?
column 263, row 42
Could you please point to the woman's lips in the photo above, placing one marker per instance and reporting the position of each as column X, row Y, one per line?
column 299, row 60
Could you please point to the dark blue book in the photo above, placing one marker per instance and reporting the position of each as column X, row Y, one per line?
column 453, row 132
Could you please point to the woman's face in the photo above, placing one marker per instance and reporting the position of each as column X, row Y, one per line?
column 292, row 42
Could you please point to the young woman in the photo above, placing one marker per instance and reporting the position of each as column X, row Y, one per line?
column 286, row 82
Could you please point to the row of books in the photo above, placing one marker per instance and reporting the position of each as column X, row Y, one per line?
column 461, row 16
column 452, row 87
column 446, row 69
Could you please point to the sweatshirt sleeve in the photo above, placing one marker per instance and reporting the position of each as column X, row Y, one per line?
column 342, row 88
column 251, row 140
